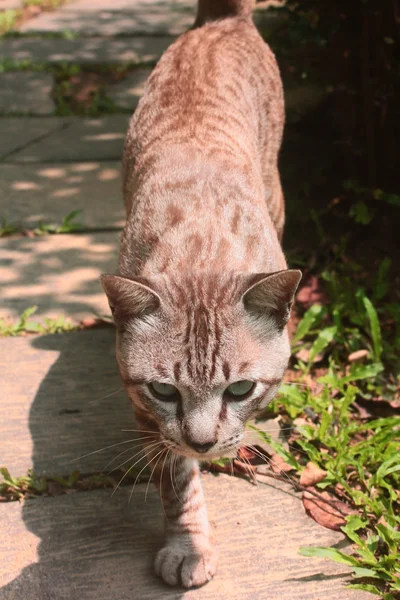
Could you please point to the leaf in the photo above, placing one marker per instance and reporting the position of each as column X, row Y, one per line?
column 357, row 355
column 361, row 213
column 310, row 318
column 375, row 328
column 366, row 587
column 279, row 465
column 312, row 474
column 331, row 553
column 324, row 338
column 363, row 572
column 362, row 372
column 323, row 513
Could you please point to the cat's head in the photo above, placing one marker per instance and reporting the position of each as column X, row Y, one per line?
column 201, row 355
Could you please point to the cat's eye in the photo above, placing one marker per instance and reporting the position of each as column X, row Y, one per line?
column 164, row 391
column 240, row 389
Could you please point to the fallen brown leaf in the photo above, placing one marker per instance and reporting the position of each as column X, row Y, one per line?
column 312, row 474
column 279, row 465
column 326, row 510
column 354, row 356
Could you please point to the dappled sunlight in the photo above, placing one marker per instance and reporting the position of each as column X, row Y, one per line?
column 104, row 137
column 123, row 17
column 59, row 273
column 25, row 186
column 52, row 172
column 90, row 50
column 65, row 193
column 33, row 194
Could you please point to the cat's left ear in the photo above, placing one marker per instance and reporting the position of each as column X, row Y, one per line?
column 272, row 294
column 129, row 298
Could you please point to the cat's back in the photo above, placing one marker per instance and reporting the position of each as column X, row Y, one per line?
column 215, row 85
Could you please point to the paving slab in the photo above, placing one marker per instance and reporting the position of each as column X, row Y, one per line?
column 88, row 545
column 31, row 194
column 10, row 4
column 57, row 273
column 26, row 93
column 62, row 403
column 16, row 133
column 91, row 50
column 127, row 93
column 103, row 17
column 77, row 139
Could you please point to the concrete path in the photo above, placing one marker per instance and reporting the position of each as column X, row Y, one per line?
column 61, row 398
column 93, row 547
column 91, row 50
column 31, row 194
column 74, row 139
column 57, row 273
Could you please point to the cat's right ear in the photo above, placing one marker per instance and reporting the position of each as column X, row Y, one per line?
column 129, row 298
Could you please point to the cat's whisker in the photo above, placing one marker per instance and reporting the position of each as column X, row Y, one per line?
column 141, row 471
column 299, row 383
column 106, row 396
column 151, row 475
column 149, row 447
column 270, row 461
column 106, row 448
column 248, row 468
column 123, row 452
column 174, row 473
column 171, row 468
column 140, row 431
column 132, row 466
column 161, row 488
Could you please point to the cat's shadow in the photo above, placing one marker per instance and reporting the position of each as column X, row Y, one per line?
column 91, row 546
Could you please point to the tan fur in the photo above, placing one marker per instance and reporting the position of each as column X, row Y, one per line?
column 202, row 295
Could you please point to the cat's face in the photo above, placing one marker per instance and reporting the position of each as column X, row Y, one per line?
column 200, row 357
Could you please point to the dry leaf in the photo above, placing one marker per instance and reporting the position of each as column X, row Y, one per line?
column 323, row 513
column 312, row 474
column 354, row 356
column 245, row 453
column 278, row 464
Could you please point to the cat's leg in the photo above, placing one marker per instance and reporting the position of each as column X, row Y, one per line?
column 189, row 556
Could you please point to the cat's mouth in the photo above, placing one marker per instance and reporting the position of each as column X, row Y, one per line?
column 227, row 450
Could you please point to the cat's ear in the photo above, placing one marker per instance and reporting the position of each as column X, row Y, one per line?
column 272, row 294
column 129, row 298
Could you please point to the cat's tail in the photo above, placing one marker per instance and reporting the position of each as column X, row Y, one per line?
column 213, row 10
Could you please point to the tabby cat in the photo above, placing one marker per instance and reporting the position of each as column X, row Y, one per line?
column 202, row 295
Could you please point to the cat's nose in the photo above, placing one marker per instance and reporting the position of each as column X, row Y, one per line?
column 202, row 448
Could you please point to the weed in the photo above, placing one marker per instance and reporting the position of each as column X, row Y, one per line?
column 8, row 20
column 33, row 485
column 359, row 456
column 24, row 325
column 7, row 228
column 68, row 225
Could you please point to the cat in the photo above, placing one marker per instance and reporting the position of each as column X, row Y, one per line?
column 203, row 294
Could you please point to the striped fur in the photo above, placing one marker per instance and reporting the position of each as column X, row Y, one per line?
column 203, row 293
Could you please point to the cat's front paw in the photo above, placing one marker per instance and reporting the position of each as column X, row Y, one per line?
column 186, row 566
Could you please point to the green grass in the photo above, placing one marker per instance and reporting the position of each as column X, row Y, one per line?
column 8, row 20
column 359, row 455
column 67, row 225
column 24, row 325
column 33, row 485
